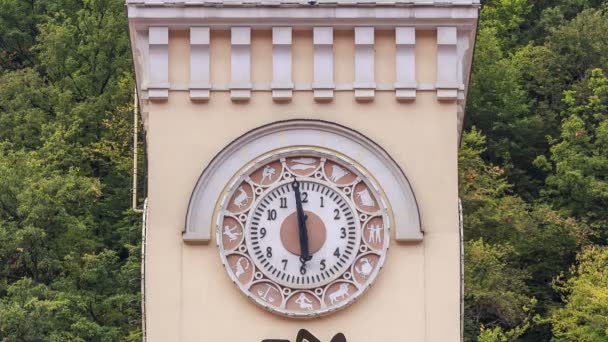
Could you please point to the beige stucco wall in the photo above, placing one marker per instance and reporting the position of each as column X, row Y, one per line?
column 189, row 297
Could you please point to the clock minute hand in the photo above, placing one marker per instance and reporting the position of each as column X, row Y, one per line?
column 302, row 230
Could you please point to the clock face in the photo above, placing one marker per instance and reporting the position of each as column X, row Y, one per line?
column 303, row 231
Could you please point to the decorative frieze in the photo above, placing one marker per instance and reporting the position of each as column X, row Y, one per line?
column 405, row 63
column 240, row 80
column 282, row 83
column 199, row 63
column 158, row 63
column 323, row 40
column 452, row 65
column 447, row 63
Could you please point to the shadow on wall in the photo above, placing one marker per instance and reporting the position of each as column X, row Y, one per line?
column 305, row 336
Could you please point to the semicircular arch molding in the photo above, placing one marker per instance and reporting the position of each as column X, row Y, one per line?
column 259, row 141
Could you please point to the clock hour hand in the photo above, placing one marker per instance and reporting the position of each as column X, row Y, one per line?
column 302, row 231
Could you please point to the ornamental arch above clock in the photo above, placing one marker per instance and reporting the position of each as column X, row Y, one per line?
column 303, row 229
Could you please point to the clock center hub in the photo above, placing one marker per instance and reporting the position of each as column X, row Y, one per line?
column 317, row 233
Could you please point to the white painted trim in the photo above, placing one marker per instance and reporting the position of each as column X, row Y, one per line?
column 199, row 63
column 447, row 63
column 405, row 63
column 260, row 141
column 158, row 63
column 282, row 83
column 424, row 17
column 323, row 42
column 264, row 87
column 365, row 84
column 240, row 66
column 291, row 3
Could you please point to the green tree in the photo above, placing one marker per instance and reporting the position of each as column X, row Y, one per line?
column 579, row 158
column 585, row 315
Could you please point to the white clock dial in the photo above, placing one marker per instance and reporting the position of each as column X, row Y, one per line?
column 304, row 252
column 333, row 232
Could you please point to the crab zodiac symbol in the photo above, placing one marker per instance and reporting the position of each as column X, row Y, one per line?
column 242, row 198
column 340, row 293
column 240, row 269
column 366, row 267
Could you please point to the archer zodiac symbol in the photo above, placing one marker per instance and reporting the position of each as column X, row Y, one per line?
column 339, row 294
column 231, row 233
column 366, row 267
column 374, row 233
column 268, row 172
column 267, row 295
column 240, row 269
column 304, row 302
column 304, row 163
column 365, row 198
column 337, row 173
column 242, row 198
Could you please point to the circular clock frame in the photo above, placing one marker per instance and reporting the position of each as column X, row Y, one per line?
column 329, row 292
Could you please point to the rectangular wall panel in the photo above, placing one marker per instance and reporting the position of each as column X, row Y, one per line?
column 240, row 61
column 365, row 84
column 323, row 41
column 405, row 63
column 199, row 63
column 282, row 83
column 158, row 40
column 447, row 63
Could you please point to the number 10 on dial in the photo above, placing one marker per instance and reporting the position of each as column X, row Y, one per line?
column 275, row 239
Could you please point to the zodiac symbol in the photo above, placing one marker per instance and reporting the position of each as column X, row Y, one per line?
column 240, row 269
column 337, row 173
column 340, row 293
column 365, row 198
column 366, row 267
column 268, row 172
column 304, row 163
column 304, row 302
column 242, row 198
column 374, row 233
column 231, row 232
column 266, row 295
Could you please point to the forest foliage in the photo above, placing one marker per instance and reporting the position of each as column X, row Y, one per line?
column 533, row 173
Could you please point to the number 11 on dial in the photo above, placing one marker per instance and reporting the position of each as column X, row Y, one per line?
column 332, row 233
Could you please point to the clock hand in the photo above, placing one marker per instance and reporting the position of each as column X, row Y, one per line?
column 302, row 230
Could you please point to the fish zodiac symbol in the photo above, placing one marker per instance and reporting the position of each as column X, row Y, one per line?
column 304, row 164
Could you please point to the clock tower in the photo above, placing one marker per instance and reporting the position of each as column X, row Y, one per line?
column 302, row 167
